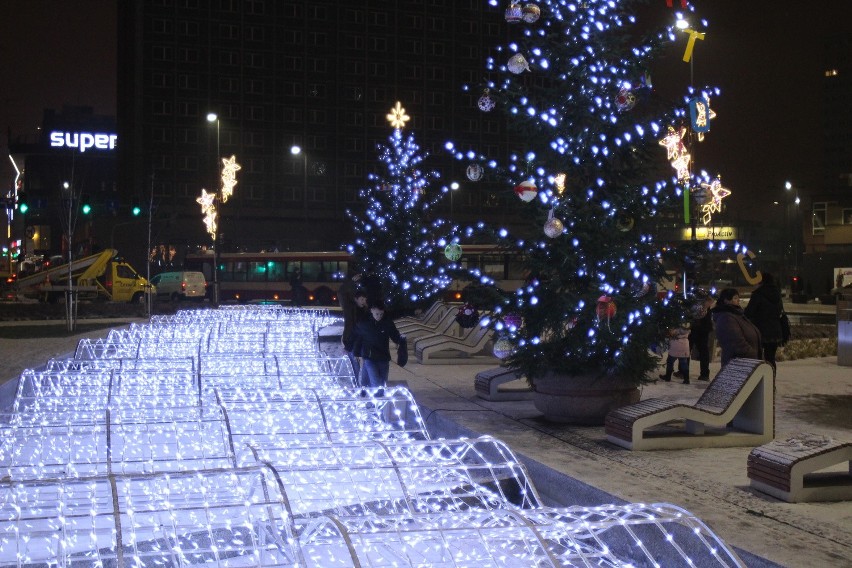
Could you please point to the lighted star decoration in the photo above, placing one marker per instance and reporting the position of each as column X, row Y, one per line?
column 681, row 166
column 397, row 116
column 559, row 179
column 208, row 209
column 673, row 143
column 230, row 167
column 714, row 205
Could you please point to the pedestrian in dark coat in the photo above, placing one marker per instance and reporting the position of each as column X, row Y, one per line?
column 372, row 335
column 699, row 338
column 764, row 310
column 353, row 301
column 737, row 336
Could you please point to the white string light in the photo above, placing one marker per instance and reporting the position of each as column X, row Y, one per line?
column 160, row 446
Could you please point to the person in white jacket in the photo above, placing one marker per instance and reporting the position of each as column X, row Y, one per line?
column 678, row 351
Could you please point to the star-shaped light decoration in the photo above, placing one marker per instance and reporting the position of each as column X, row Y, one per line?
column 674, row 143
column 714, row 205
column 207, row 201
column 230, row 167
column 397, row 116
column 681, row 165
column 208, row 209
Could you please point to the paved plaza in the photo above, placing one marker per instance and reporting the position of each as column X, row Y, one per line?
column 577, row 466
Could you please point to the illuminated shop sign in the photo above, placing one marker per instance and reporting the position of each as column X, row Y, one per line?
column 704, row 233
column 82, row 140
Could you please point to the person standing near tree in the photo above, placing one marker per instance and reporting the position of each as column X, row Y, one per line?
column 764, row 310
column 371, row 343
column 737, row 336
column 699, row 338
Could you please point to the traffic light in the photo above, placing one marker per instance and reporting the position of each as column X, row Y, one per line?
column 86, row 207
column 23, row 203
column 135, row 210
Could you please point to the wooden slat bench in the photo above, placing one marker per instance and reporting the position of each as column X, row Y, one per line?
column 737, row 409
column 487, row 385
column 789, row 469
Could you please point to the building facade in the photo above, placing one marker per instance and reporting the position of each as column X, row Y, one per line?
column 319, row 74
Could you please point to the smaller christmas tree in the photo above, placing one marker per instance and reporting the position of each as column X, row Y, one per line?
column 396, row 237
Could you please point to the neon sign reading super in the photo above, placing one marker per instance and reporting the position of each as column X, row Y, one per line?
column 83, row 140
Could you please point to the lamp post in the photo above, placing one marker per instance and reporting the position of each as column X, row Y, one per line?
column 213, row 117
column 797, row 229
column 297, row 150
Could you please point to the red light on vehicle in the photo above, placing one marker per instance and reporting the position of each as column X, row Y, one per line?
column 457, row 296
column 311, row 298
column 275, row 296
column 183, row 286
column 236, row 296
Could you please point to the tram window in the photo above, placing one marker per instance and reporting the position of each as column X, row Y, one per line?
column 311, row 271
column 257, row 272
column 234, row 272
column 275, row 271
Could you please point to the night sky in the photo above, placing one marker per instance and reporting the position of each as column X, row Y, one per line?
column 766, row 56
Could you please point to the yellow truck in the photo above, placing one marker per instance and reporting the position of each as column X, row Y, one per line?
column 100, row 276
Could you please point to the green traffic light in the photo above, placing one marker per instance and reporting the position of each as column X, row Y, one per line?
column 136, row 210
column 23, row 207
column 87, row 209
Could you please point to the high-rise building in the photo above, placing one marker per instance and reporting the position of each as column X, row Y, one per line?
column 321, row 75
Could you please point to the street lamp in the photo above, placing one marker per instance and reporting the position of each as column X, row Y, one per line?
column 453, row 188
column 797, row 228
column 296, row 150
column 213, row 117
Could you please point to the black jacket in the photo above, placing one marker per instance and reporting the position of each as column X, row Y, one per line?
column 737, row 336
column 370, row 339
column 764, row 310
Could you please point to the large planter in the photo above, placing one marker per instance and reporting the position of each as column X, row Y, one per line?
column 581, row 399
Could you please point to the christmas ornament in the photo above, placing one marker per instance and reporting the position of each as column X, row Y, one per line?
column 531, row 13
column 624, row 223
column 514, row 13
column 453, row 251
column 513, row 320
column 606, row 308
column 467, row 316
column 518, row 64
column 503, row 348
column 559, row 180
column 526, row 190
column 625, row 99
column 485, row 102
column 553, row 227
column 640, row 290
column 474, row 172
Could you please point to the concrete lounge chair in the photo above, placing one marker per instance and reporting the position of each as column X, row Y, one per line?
column 488, row 385
column 799, row 469
column 415, row 331
column 737, row 409
column 446, row 348
column 435, row 311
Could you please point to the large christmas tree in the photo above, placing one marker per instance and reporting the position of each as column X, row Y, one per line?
column 397, row 236
column 593, row 175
